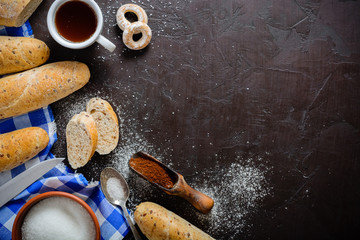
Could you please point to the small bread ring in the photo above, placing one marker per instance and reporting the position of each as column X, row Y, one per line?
column 137, row 27
column 140, row 13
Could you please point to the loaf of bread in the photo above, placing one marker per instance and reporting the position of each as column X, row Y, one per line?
column 158, row 223
column 81, row 139
column 14, row 13
column 38, row 87
column 107, row 124
column 20, row 146
column 21, row 53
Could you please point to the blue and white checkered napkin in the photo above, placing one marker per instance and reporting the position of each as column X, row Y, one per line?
column 24, row 31
column 112, row 223
column 39, row 118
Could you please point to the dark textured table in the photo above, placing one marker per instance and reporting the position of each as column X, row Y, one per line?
column 256, row 103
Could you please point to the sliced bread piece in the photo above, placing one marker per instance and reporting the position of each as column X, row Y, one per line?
column 81, row 139
column 107, row 124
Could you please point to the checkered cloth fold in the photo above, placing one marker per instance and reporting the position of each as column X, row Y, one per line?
column 39, row 118
column 112, row 223
column 23, row 31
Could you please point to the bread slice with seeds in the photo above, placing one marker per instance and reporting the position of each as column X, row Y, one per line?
column 107, row 124
column 81, row 139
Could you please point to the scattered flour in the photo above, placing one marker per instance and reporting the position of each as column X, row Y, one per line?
column 239, row 188
column 130, row 143
column 242, row 188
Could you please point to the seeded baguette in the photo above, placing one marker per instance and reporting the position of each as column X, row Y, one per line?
column 107, row 124
column 14, row 13
column 41, row 86
column 21, row 53
column 81, row 139
column 158, row 223
column 20, row 146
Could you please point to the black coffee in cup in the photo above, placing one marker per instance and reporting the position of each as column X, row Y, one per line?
column 76, row 21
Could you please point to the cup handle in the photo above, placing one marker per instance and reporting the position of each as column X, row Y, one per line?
column 106, row 43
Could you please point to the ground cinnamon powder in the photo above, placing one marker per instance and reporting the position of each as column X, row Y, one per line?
column 152, row 171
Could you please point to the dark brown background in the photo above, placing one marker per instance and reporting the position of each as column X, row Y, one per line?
column 273, row 79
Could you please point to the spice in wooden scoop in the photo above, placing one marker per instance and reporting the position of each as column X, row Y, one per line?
column 169, row 181
column 153, row 172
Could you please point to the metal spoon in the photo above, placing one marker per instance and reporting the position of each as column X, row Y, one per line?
column 117, row 197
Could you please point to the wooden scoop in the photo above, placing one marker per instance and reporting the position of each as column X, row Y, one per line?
column 145, row 164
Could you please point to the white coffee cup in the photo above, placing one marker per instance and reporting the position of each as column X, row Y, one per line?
column 95, row 37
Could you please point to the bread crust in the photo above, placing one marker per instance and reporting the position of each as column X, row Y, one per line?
column 19, row 146
column 14, row 13
column 21, row 53
column 86, row 122
column 41, row 86
column 99, row 106
column 158, row 223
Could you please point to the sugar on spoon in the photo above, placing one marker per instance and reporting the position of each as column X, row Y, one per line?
column 116, row 191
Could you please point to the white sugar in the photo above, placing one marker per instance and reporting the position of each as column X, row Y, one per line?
column 58, row 218
column 115, row 189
